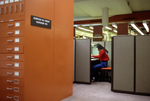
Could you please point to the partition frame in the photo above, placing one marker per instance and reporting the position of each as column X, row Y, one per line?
column 75, row 81
column 137, row 92
column 112, row 79
column 112, row 58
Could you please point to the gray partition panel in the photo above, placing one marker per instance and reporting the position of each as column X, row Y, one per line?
column 83, row 59
column 123, row 63
column 102, row 43
column 143, row 64
column 108, row 47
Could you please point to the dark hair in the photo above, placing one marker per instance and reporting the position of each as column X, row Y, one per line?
column 99, row 46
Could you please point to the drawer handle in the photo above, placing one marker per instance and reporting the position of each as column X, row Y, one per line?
column 9, row 88
column 9, row 64
column 9, row 49
column 21, row 7
column 10, row 25
column 15, row 8
column 10, row 40
column 5, row 10
column 9, row 80
column 9, row 73
column 10, row 9
column 9, row 57
column 8, row 97
column 0, row 10
column 9, row 32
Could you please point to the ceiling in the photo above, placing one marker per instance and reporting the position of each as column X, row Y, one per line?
column 92, row 9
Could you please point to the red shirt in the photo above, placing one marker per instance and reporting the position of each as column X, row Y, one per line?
column 103, row 56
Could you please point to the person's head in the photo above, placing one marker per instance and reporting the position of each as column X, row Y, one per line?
column 99, row 47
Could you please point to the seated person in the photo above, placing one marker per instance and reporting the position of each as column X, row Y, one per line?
column 103, row 57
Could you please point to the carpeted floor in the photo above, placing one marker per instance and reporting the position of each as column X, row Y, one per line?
column 101, row 91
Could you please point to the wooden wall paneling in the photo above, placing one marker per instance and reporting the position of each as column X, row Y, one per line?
column 97, row 33
column 63, row 49
column 40, row 48
column 64, row 16
column 97, row 29
column 122, row 29
column 39, row 52
column 63, row 63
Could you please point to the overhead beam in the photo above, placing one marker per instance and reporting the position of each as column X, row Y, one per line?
column 137, row 16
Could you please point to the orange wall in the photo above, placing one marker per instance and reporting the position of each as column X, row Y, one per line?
column 63, row 49
column 49, row 52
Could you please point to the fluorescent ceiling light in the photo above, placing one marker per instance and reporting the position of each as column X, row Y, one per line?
column 108, row 28
column 85, row 25
column 95, row 24
column 115, row 31
column 135, row 27
column 75, row 25
column 91, row 27
column 146, row 26
column 89, row 34
column 85, row 29
column 114, row 25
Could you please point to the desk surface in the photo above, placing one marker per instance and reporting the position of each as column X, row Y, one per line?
column 94, row 59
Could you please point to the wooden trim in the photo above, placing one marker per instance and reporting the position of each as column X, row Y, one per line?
column 135, row 16
column 97, row 39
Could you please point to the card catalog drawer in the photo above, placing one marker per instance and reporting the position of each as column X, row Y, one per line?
column 12, row 25
column 12, row 33
column 11, row 49
column 4, row 96
column 12, row 73
column 11, row 65
column 11, row 41
column 12, row 57
column 19, row 9
column 11, row 19
column 11, row 81
column 12, row 9
column 11, row 89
